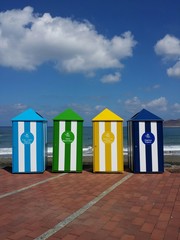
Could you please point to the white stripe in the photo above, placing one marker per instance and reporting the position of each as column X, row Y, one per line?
column 114, row 159
column 21, row 151
column 73, row 146
column 154, row 147
column 61, row 157
column 33, row 150
column 101, row 147
column 142, row 148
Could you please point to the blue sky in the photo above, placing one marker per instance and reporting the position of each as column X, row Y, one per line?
column 88, row 55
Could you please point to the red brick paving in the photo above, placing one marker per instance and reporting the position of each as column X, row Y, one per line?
column 146, row 206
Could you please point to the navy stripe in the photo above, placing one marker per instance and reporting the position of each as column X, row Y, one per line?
column 148, row 149
column 27, row 149
column 130, row 156
column 160, row 147
column 135, row 131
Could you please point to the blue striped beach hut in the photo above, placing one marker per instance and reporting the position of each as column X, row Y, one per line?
column 145, row 143
column 29, row 142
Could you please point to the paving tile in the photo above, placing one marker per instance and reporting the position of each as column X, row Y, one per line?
column 101, row 234
column 127, row 237
column 157, row 234
column 147, row 227
column 142, row 236
column 135, row 209
column 155, row 212
column 164, row 216
column 118, row 232
column 110, row 226
column 171, row 233
column 138, row 221
column 69, row 237
column 162, row 225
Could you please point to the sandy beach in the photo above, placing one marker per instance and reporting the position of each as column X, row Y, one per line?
column 171, row 162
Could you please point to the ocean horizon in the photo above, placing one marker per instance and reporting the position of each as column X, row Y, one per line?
column 171, row 140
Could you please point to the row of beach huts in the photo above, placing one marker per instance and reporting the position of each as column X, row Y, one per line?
column 145, row 142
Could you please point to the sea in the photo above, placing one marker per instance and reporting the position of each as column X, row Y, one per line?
column 171, row 141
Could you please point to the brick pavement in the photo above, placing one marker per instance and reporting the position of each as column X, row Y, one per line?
column 145, row 206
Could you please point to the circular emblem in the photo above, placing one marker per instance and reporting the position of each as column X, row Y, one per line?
column 27, row 138
column 108, row 137
column 67, row 137
column 148, row 138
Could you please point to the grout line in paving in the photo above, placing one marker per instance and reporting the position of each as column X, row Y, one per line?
column 30, row 186
column 79, row 212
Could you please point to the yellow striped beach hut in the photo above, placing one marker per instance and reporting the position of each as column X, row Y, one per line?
column 107, row 142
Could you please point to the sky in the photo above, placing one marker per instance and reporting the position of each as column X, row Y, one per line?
column 123, row 55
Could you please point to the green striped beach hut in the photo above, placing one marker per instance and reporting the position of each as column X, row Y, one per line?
column 67, row 142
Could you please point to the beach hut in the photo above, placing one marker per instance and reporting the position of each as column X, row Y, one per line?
column 145, row 143
column 107, row 142
column 67, row 142
column 29, row 142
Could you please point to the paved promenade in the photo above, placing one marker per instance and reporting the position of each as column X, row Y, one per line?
column 89, row 206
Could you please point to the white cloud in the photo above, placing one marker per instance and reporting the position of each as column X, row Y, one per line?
column 135, row 104
column 99, row 107
column 156, row 86
column 169, row 49
column 12, row 110
column 19, row 106
column 111, row 78
column 176, row 107
column 159, row 103
column 29, row 40
column 174, row 71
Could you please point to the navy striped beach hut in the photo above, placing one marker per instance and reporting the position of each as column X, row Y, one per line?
column 29, row 142
column 145, row 143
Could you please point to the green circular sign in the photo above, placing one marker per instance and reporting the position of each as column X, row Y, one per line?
column 67, row 137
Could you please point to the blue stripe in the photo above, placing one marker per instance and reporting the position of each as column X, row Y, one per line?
column 135, row 131
column 39, row 146
column 160, row 147
column 27, row 149
column 15, row 165
column 45, row 145
column 148, row 149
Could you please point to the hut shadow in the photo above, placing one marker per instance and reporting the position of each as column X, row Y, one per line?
column 88, row 167
column 8, row 169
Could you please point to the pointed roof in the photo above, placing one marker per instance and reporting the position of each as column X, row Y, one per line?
column 107, row 115
column 68, row 114
column 145, row 115
column 29, row 115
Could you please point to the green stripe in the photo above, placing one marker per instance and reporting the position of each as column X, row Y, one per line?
column 67, row 148
column 55, row 146
column 79, row 146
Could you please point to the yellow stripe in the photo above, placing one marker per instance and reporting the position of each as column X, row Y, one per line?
column 96, row 146
column 120, row 147
column 108, row 148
